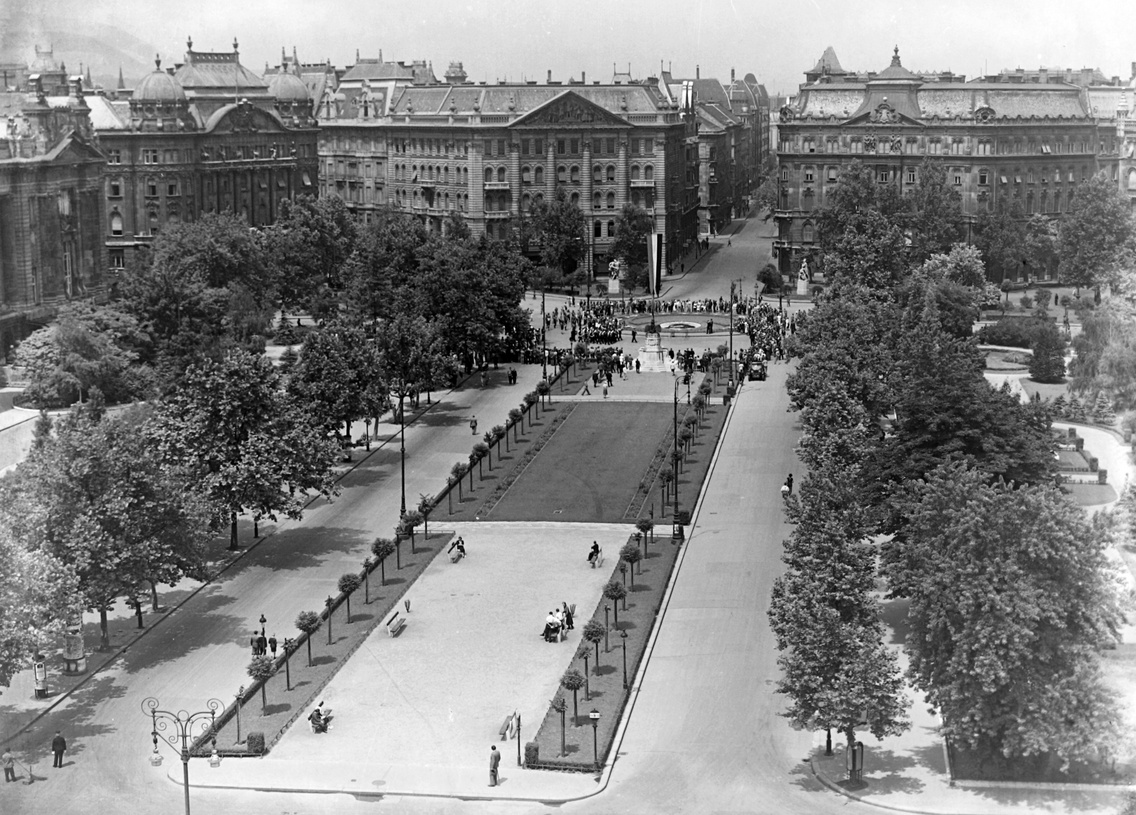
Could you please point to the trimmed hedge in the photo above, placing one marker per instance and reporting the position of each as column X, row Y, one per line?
column 1016, row 332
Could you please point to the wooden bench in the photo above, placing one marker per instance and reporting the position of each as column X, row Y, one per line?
column 395, row 624
column 506, row 726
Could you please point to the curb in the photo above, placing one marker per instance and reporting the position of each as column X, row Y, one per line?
column 832, row 785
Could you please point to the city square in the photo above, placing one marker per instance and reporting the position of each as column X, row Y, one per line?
column 812, row 409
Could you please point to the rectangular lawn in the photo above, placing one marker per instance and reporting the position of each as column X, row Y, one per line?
column 590, row 470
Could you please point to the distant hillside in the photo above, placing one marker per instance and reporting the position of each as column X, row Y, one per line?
column 102, row 47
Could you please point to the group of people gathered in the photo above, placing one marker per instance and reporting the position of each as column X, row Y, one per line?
column 558, row 623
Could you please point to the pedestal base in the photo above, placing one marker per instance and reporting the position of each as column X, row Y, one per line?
column 74, row 666
column 653, row 360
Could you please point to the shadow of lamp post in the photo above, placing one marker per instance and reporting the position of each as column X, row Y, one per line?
column 179, row 727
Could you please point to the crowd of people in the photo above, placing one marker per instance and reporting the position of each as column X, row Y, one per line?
column 558, row 623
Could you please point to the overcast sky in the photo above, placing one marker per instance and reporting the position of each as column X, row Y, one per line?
column 519, row 39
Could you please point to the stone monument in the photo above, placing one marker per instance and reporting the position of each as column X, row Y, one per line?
column 803, row 278
column 652, row 356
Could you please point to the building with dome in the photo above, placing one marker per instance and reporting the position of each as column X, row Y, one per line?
column 51, row 242
column 205, row 135
column 1030, row 142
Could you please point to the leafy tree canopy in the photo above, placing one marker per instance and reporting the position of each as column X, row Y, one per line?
column 1097, row 236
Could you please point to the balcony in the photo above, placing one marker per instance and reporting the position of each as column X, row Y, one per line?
column 497, row 185
column 643, row 183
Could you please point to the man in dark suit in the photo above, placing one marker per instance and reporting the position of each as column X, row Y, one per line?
column 58, row 747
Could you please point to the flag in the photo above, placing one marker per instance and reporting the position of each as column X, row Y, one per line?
column 654, row 263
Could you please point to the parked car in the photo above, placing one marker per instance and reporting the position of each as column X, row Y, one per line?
column 757, row 370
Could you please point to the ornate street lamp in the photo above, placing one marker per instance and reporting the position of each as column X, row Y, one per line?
column 623, row 637
column 182, row 726
column 595, row 717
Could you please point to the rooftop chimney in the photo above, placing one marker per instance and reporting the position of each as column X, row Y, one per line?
column 697, row 72
column 583, row 78
column 731, row 74
column 549, row 76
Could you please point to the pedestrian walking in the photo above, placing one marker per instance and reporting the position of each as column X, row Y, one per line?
column 605, row 390
column 58, row 748
column 789, row 483
column 254, row 644
column 494, row 762
column 272, row 645
column 636, row 365
column 9, row 763
column 262, row 645
column 473, row 424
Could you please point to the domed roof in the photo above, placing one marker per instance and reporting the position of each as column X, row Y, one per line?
column 159, row 87
column 896, row 71
column 288, row 87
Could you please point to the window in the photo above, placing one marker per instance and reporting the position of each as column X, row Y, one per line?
column 983, row 178
column 574, row 199
column 597, row 229
column 117, row 261
column 561, row 174
column 487, row 149
column 611, row 229
column 648, row 172
column 831, row 175
column 152, row 187
column 809, row 174
column 500, row 173
column 526, row 202
column 574, row 146
column 611, row 172
column 538, row 147
column 115, row 223
column 150, row 156
column 634, row 172
column 597, row 173
column 807, row 233
column 538, row 175
column 153, row 221
column 634, row 147
column 488, row 174
column 574, row 174
column 500, row 147
column 611, row 147
column 611, row 200
column 114, row 157
column 785, row 174
column 883, row 175
column 561, row 147
column 597, row 200
column 958, row 178
column 526, row 174
column 910, row 177
column 114, row 188
column 172, row 188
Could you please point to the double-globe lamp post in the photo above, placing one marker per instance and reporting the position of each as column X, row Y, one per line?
column 674, row 510
column 181, row 726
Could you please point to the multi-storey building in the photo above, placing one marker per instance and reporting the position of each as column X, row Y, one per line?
column 50, row 203
column 206, row 136
column 491, row 152
column 1026, row 142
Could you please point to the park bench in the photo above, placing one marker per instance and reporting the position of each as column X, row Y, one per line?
column 506, row 726
column 395, row 624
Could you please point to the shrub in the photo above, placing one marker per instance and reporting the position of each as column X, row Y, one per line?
column 256, row 743
column 1016, row 332
column 1048, row 362
column 1026, row 302
column 532, row 753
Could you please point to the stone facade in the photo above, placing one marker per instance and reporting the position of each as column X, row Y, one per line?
column 50, row 203
column 1029, row 142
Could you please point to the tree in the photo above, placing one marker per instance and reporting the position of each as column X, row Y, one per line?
column 632, row 555
column 382, row 548
column 934, row 219
column 560, row 231
column 1048, row 361
column 1097, row 236
column 646, row 527
column 633, row 228
column 260, row 669
column 95, row 497
column 308, row 622
column 338, row 378
column 247, row 446
column 560, row 706
column 409, row 523
column 1041, row 243
column 1105, row 357
column 573, row 680
column 1011, row 600
column 594, row 633
column 1000, row 236
column 39, row 598
column 347, row 584
column 307, row 247
column 87, row 347
column 615, row 591
column 385, row 259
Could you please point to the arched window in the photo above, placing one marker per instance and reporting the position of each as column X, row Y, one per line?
column 649, row 172
column 634, row 172
column 574, row 200
column 446, row 199
column 575, row 174
column 526, row 202
column 597, row 229
column 611, row 172
column 1132, row 179
column 807, row 233
column 539, row 199
column 500, row 173
column 115, row 223
column 635, row 199
column 526, row 174
column 597, row 173
column 153, row 219
column 597, row 200
column 465, row 175
column 561, row 174
column 611, row 229
column 538, row 175
column 611, row 200
column 488, row 174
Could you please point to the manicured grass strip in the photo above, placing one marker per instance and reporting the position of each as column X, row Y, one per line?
column 591, row 468
column 285, row 706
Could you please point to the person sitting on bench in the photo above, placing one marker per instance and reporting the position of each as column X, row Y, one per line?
column 551, row 627
column 594, row 555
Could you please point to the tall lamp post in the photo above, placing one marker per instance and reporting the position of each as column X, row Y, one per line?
column 181, row 727
column 595, row 717
column 674, row 510
column 623, row 637
column 543, row 338
column 401, row 391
